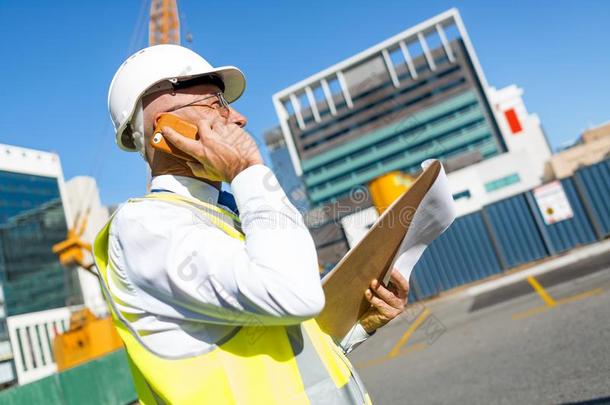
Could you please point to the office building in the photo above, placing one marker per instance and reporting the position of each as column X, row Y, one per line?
column 32, row 219
column 418, row 95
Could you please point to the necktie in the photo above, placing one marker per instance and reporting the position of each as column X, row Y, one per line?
column 225, row 198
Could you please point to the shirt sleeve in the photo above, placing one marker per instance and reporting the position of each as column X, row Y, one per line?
column 204, row 274
column 356, row 336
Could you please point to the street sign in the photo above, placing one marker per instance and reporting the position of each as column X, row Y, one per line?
column 553, row 203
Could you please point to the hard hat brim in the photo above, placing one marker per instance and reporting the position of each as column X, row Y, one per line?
column 233, row 79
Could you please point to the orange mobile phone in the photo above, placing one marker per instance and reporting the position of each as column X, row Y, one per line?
column 184, row 128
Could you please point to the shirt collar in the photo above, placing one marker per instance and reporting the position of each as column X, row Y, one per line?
column 186, row 186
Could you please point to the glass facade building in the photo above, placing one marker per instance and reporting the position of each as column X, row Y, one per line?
column 415, row 96
column 284, row 170
column 31, row 221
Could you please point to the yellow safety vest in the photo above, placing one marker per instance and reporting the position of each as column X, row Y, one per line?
column 262, row 364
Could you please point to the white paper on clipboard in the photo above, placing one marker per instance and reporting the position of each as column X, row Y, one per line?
column 434, row 215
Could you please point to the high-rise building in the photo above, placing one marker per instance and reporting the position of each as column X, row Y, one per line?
column 420, row 94
column 32, row 220
column 284, row 170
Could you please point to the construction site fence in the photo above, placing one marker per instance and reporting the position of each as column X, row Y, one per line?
column 512, row 232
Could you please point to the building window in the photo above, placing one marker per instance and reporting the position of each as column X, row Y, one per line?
column 461, row 194
column 502, row 182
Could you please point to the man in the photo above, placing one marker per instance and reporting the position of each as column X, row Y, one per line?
column 213, row 308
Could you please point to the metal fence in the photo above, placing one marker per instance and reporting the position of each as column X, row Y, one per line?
column 518, row 235
column 593, row 183
column 31, row 337
column 438, row 271
column 512, row 232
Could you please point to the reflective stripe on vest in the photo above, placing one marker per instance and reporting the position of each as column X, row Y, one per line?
column 259, row 364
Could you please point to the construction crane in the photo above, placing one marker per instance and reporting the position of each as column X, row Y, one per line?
column 164, row 25
column 72, row 250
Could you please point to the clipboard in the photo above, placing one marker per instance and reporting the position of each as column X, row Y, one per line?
column 370, row 259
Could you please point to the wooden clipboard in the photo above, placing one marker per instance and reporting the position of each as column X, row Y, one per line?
column 370, row 259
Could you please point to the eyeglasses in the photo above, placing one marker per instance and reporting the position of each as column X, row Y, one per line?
column 220, row 104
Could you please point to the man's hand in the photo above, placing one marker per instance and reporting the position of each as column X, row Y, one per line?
column 222, row 151
column 386, row 303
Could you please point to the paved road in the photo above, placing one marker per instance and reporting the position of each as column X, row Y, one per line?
column 515, row 351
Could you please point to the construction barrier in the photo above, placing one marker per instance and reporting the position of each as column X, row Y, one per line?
column 593, row 183
column 519, row 239
column 512, row 232
column 437, row 270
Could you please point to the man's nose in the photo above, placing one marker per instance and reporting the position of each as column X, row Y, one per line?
column 237, row 118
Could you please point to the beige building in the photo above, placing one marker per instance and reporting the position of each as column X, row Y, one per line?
column 594, row 147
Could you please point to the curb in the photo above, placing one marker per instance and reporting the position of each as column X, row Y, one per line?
column 573, row 257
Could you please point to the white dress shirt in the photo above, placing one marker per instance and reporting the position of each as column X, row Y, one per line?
column 184, row 284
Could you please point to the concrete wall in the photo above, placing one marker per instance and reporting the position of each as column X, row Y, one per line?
column 473, row 179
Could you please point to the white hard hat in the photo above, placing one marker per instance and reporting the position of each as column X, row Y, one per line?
column 156, row 65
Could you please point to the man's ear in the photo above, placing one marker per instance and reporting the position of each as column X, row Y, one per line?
column 137, row 130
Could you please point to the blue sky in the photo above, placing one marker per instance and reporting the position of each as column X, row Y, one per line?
column 59, row 57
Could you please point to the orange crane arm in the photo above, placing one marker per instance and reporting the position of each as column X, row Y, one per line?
column 164, row 26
